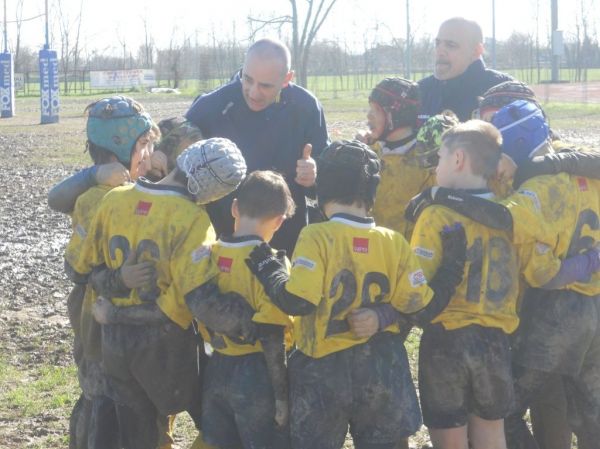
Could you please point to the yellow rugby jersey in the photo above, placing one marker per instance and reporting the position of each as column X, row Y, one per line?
column 229, row 255
column 344, row 264
column 400, row 181
column 162, row 224
column 489, row 291
column 85, row 208
column 555, row 216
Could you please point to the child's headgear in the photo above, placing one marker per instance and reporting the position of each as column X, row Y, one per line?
column 348, row 171
column 524, row 129
column 505, row 93
column 115, row 124
column 214, row 168
column 176, row 132
column 429, row 138
column 399, row 98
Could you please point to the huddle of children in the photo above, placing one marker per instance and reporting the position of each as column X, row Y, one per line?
column 303, row 350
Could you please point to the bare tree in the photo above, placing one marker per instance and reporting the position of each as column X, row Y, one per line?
column 306, row 22
column 70, row 32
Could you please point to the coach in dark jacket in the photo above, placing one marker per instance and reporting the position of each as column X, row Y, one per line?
column 460, row 75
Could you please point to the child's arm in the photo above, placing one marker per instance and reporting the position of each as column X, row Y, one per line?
column 110, row 283
column 573, row 162
column 272, row 273
column 272, row 338
column 62, row 197
column 366, row 321
column 578, row 268
column 145, row 314
column 225, row 313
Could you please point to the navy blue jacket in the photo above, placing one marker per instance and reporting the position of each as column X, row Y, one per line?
column 458, row 94
column 271, row 139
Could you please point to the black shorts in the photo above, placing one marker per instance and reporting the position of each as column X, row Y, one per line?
column 557, row 331
column 464, row 371
column 367, row 387
column 238, row 406
column 157, row 363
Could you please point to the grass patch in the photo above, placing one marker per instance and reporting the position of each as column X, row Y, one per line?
column 41, row 390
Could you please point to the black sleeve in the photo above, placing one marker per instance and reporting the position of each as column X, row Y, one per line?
column 442, row 295
column 573, row 162
column 225, row 313
column 107, row 282
column 62, row 197
column 272, row 340
column 74, row 276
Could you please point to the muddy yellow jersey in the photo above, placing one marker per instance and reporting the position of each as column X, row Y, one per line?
column 229, row 255
column 85, row 208
column 348, row 263
column 489, row 291
column 163, row 225
column 560, row 211
column 400, row 181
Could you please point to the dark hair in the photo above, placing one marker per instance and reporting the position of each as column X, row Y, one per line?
column 481, row 140
column 265, row 194
column 99, row 154
column 348, row 173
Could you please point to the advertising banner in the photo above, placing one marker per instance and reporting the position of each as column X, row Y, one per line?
column 119, row 79
column 7, row 88
column 50, row 102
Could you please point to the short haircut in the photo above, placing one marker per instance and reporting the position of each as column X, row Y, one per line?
column 264, row 194
column 271, row 49
column 472, row 28
column 481, row 140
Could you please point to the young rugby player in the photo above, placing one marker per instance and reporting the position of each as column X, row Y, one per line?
column 345, row 268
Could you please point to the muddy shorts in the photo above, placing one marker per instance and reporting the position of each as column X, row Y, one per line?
column 464, row 371
column 238, row 408
column 367, row 387
column 557, row 331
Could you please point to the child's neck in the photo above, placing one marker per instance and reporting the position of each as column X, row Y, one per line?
column 399, row 134
column 332, row 208
column 469, row 181
column 245, row 226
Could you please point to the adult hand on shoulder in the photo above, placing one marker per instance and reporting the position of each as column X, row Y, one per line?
column 112, row 174
column 306, row 168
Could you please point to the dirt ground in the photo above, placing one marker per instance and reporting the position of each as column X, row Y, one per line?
column 33, row 325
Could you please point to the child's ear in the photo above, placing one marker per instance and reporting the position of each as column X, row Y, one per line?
column 460, row 158
column 235, row 212
column 278, row 221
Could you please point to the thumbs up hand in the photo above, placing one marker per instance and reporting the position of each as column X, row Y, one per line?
column 306, row 168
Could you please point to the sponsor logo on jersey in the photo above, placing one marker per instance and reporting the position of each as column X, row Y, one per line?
column 304, row 262
column 424, row 252
column 583, row 185
column 224, row 264
column 200, row 253
column 143, row 208
column 417, row 278
column 534, row 198
column 360, row 245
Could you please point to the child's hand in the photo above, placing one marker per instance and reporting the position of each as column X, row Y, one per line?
column 364, row 322
column 365, row 136
column 113, row 174
column 158, row 164
column 282, row 413
column 306, row 168
column 505, row 171
column 103, row 310
column 137, row 275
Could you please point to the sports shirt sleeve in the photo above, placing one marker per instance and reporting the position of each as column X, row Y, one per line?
column 307, row 275
column 190, row 267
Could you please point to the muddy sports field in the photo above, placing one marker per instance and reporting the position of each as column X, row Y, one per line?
column 37, row 379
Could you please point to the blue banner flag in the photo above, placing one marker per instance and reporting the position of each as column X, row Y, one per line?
column 7, row 85
column 49, row 86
